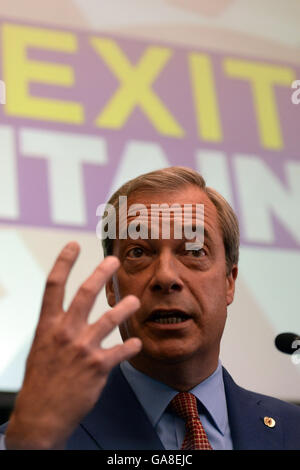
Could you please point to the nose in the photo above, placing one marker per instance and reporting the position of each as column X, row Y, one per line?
column 166, row 278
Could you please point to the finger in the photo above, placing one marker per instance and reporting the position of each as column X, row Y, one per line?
column 56, row 281
column 86, row 295
column 121, row 352
column 114, row 317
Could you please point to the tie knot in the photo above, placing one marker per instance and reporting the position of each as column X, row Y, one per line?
column 185, row 405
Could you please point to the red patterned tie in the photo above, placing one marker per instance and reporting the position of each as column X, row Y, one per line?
column 185, row 405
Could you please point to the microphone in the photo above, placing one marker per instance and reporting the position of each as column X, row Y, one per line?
column 287, row 343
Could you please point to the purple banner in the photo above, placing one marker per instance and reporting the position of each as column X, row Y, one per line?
column 85, row 110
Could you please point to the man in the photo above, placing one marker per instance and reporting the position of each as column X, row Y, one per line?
column 169, row 296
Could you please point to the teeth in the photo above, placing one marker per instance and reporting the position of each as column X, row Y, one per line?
column 169, row 320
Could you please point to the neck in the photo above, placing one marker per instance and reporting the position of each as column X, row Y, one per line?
column 182, row 375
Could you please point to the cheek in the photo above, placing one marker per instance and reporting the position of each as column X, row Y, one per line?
column 126, row 284
column 132, row 284
column 210, row 292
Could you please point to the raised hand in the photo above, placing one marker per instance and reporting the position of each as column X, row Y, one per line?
column 67, row 369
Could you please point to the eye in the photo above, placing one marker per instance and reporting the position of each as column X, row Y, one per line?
column 197, row 253
column 136, row 252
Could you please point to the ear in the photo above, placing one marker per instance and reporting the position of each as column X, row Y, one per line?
column 110, row 293
column 230, row 281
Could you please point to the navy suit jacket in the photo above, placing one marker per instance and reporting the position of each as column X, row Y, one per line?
column 118, row 421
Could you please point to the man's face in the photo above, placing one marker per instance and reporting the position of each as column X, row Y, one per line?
column 184, row 294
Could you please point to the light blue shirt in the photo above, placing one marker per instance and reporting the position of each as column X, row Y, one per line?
column 155, row 396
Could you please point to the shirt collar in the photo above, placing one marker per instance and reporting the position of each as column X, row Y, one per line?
column 210, row 392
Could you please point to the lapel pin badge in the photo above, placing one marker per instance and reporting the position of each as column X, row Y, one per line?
column 270, row 422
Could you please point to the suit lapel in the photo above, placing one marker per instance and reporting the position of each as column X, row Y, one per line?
column 118, row 421
column 246, row 413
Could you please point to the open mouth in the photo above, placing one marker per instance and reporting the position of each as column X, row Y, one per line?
column 168, row 316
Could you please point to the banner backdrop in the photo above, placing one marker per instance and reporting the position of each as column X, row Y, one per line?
column 85, row 112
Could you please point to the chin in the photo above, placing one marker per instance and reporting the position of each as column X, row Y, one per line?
column 172, row 355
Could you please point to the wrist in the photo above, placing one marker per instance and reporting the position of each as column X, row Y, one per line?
column 23, row 434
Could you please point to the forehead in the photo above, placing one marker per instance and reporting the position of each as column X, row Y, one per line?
column 186, row 195
column 189, row 195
